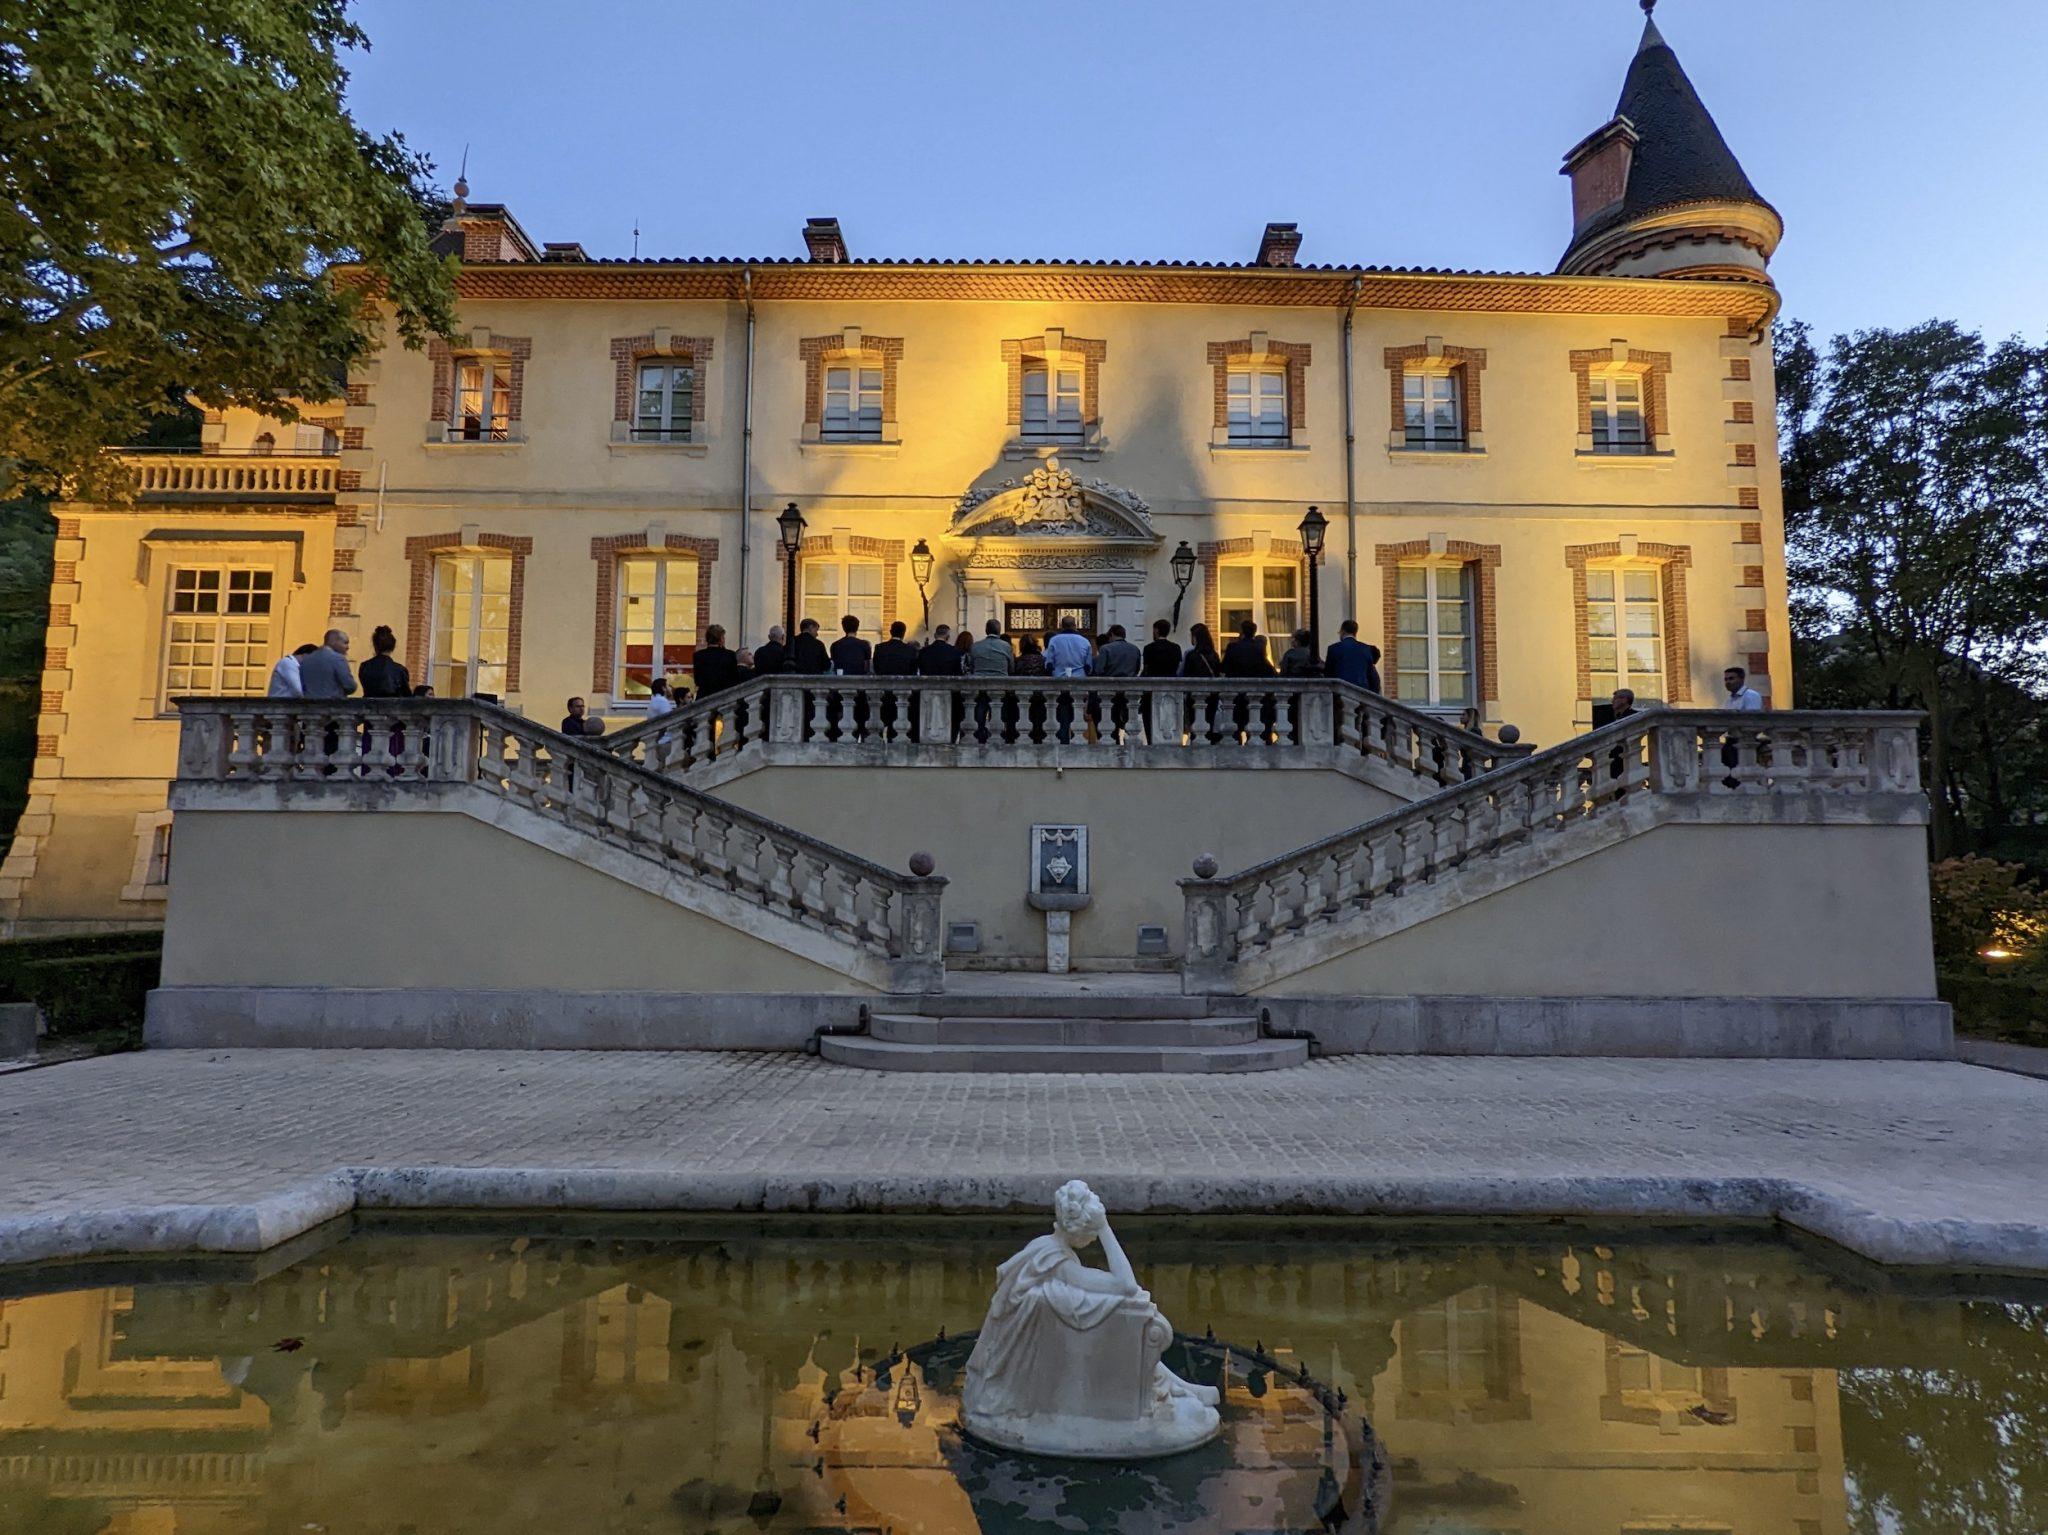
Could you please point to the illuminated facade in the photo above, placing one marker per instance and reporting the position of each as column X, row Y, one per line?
column 1540, row 487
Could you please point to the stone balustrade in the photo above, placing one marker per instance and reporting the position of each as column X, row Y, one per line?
column 1775, row 766
column 1018, row 721
column 892, row 919
column 260, row 474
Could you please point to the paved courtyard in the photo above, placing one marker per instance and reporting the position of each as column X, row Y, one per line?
column 175, row 1151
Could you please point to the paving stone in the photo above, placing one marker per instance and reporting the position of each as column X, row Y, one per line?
column 1907, row 1162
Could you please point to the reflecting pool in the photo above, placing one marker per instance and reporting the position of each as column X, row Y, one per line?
column 1538, row 1379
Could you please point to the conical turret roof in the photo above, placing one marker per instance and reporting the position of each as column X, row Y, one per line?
column 1682, row 157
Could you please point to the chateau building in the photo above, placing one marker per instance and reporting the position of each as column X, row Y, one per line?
column 1538, row 487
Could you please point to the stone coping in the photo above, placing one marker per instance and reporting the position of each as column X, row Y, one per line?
column 1920, row 1164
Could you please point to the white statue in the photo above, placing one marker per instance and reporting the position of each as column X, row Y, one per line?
column 1068, row 1361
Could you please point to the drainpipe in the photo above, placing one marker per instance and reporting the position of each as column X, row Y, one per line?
column 746, row 452
column 1350, row 464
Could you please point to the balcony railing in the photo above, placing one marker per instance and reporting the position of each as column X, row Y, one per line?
column 248, row 475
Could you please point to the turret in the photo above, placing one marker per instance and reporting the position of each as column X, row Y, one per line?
column 1656, row 191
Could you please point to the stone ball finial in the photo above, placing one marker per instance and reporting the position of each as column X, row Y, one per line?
column 922, row 864
column 1510, row 734
column 1205, row 866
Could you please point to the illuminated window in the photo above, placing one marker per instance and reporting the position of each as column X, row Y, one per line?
column 1625, row 630
column 664, row 402
column 483, row 400
column 656, row 621
column 835, row 586
column 1435, row 652
column 1052, row 402
column 472, row 629
column 1433, row 412
column 217, row 631
column 853, row 405
column 1617, row 402
column 1266, row 592
column 1257, row 401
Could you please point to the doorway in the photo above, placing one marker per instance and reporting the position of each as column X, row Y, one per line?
column 1039, row 619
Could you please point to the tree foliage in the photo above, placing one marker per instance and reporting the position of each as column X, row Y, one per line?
column 179, row 176
column 1916, row 492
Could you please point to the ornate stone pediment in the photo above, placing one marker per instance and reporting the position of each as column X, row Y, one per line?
column 1052, row 502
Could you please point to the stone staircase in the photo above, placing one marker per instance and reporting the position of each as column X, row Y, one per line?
column 1071, row 1032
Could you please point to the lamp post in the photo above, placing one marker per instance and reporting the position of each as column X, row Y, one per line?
column 789, row 527
column 1183, row 572
column 1314, row 527
column 921, row 573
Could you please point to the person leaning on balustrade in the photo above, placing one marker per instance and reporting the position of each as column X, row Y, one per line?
column 284, row 677
column 714, row 666
column 661, row 700
column 896, row 656
column 1351, row 661
column 1300, row 659
column 807, row 653
column 324, row 671
column 940, row 658
column 1161, row 657
column 773, row 656
column 384, row 675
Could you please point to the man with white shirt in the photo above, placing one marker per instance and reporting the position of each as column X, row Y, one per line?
column 1068, row 654
column 1741, row 697
column 285, row 681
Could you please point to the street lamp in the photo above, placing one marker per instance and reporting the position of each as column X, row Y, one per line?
column 1313, row 529
column 1183, row 572
column 789, row 527
column 921, row 573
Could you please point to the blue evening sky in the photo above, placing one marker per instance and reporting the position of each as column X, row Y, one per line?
column 1896, row 136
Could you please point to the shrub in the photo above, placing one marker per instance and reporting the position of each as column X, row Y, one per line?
column 89, row 986
column 1980, row 903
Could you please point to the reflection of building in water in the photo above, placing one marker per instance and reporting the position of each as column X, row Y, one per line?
column 559, row 1385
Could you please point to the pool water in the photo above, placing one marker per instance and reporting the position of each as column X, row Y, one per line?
column 420, row 1379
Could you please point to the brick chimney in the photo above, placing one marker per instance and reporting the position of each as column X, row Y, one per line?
column 1599, row 165
column 824, row 240
column 564, row 250
column 1278, row 245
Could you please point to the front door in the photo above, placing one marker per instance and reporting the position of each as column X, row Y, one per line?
column 1040, row 619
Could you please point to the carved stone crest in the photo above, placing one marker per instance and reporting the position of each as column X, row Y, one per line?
column 1052, row 501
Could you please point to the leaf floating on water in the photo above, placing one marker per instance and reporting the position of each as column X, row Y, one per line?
column 288, row 1346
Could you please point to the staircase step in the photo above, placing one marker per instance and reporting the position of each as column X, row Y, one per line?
column 1077, row 1032
column 1064, row 1004
column 893, row 1055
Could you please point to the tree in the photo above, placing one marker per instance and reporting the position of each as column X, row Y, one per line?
column 179, row 176
column 1916, row 488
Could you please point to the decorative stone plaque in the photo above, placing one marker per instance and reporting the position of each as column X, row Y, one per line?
column 1059, row 867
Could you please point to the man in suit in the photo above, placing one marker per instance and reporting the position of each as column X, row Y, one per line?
column 772, row 657
column 896, row 656
column 852, row 656
column 1118, row 656
column 1246, row 656
column 1353, row 662
column 807, row 653
column 941, row 658
column 324, row 673
column 990, row 657
column 715, row 667
column 1161, row 657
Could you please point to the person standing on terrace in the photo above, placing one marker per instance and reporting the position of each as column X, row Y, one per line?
column 384, row 675
column 324, row 673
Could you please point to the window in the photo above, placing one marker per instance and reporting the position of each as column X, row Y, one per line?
column 1269, row 594
column 483, row 400
column 853, row 405
column 666, row 398
column 834, row 587
column 1052, row 402
column 311, row 437
column 656, row 621
column 472, row 628
column 1257, row 405
column 1625, row 630
column 217, row 632
column 1434, row 647
column 1617, row 401
column 1649, row 1380
column 1433, row 412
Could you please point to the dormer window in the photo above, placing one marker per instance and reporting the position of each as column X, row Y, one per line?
column 1433, row 416
column 853, row 404
column 1052, row 402
column 665, row 402
column 1256, row 401
column 1617, row 405
column 483, row 400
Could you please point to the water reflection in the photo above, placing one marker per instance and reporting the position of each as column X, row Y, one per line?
column 729, row 1382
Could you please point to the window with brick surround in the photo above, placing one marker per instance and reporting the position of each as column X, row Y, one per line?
column 835, row 585
column 1625, row 630
column 1616, row 403
column 1268, row 592
column 482, row 400
column 217, row 630
column 853, row 403
column 1434, row 397
column 1256, row 400
column 1432, row 411
column 664, row 400
column 1436, row 650
column 655, row 629
column 472, row 624
column 1052, row 402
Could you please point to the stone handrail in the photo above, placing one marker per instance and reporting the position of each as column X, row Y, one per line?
column 233, row 475
column 891, row 919
column 989, row 718
column 1658, row 755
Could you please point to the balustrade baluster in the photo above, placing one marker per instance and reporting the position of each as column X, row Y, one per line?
column 1246, row 922
column 820, row 699
column 1343, row 879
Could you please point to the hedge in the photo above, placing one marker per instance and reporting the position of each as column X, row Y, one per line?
column 2012, row 1007
column 91, row 984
